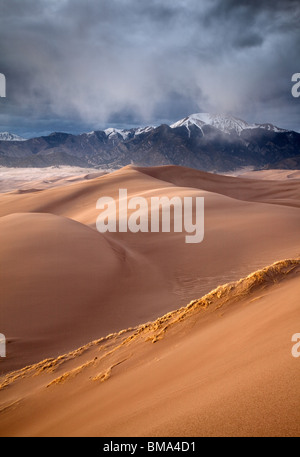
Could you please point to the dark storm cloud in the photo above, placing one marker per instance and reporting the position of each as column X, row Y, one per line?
column 80, row 64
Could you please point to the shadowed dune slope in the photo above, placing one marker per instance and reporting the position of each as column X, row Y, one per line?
column 54, row 273
column 220, row 366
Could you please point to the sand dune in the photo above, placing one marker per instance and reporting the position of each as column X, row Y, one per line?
column 221, row 366
column 284, row 192
column 23, row 179
column 273, row 175
column 64, row 284
column 52, row 271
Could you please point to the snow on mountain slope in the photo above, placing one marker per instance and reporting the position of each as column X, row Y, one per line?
column 141, row 130
column 125, row 133
column 225, row 123
column 6, row 136
column 112, row 132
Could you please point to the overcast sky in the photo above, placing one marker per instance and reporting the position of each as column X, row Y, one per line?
column 79, row 65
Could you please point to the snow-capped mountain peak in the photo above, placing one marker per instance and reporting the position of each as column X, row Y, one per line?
column 224, row 122
column 112, row 132
column 6, row 136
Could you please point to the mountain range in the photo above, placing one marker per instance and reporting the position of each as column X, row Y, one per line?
column 210, row 142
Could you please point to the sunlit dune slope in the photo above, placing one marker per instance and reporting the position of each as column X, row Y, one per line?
column 222, row 365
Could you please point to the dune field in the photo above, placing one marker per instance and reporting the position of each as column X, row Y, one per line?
column 143, row 334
